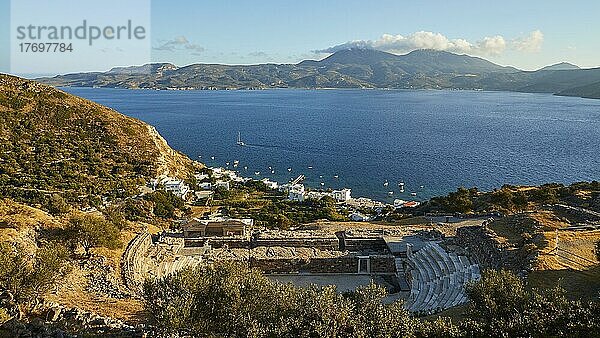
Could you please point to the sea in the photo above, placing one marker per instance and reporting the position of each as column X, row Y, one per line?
column 433, row 141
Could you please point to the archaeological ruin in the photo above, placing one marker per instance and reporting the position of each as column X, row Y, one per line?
column 417, row 264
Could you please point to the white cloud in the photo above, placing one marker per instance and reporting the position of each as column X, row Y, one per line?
column 531, row 43
column 419, row 40
column 179, row 43
column 494, row 45
column 399, row 44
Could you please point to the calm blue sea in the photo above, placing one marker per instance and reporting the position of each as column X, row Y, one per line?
column 434, row 141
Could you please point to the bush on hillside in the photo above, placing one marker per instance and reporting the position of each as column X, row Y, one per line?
column 227, row 299
column 91, row 231
column 28, row 276
column 165, row 203
column 502, row 305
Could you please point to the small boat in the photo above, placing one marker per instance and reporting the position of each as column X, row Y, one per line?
column 290, row 169
column 413, row 194
column 320, row 176
column 391, row 193
column 270, row 168
column 401, row 184
column 227, row 164
column 199, row 156
column 422, row 187
column 257, row 173
column 236, row 162
column 272, row 171
column 239, row 140
column 386, row 183
column 310, row 167
column 322, row 183
column 212, row 157
column 336, row 176
column 245, row 168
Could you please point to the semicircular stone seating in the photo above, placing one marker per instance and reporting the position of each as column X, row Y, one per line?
column 438, row 279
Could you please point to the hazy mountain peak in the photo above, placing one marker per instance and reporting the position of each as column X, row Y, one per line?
column 561, row 66
column 148, row 68
column 358, row 56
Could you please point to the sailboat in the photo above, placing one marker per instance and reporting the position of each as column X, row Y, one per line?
column 239, row 140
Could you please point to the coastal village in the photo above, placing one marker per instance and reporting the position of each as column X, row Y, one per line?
column 427, row 264
column 414, row 263
column 215, row 178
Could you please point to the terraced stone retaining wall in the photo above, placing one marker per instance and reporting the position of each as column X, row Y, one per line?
column 484, row 245
column 345, row 264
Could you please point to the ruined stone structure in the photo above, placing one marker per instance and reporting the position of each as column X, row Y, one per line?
column 221, row 227
column 133, row 267
column 411, row 262
column 438, row 279
column 486, row 248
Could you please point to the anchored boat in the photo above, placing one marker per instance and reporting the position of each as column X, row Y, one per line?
column 239, row 140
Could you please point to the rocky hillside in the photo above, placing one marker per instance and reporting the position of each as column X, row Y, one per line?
column 590, row 91
column 351, row 68
column 52, row 142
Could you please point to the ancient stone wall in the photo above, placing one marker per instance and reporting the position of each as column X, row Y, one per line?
column 317, row 243
column 345, row 264
column 485, row 247
column 314, row 265
column 133, row 262
column 383, row 264
column 375, row 244
column 577, row 214
column 217, row 242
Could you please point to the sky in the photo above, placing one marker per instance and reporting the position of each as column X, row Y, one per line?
column 288, row 31
column 524, row 34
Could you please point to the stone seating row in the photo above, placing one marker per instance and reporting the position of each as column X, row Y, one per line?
column 438, row 279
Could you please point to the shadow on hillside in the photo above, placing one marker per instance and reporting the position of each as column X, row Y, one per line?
column 579, row 284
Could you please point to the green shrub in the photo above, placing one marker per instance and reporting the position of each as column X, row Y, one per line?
column 56, row 205
column 91, row 231
column 165, row 203
column 502, row 305
column 227, row 299
column 28, row 276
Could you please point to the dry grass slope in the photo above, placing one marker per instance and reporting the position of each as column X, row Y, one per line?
column 53, row 142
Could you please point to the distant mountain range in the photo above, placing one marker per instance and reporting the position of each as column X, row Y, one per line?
column 351, row 68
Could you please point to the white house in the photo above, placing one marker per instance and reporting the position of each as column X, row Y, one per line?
column 270, row 184
column 222, row 184
column 406, row 204
column 205, row 186
column 316, row 195
column 201, row 177
column 342, row 195
column 398, row 203
column 296, row 193
column 359, row 217
column 175, row 186
column 152, row 184
column 217, row 172
column 200, row 195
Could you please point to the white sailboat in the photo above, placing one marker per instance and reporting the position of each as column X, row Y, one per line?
column 239, row 140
